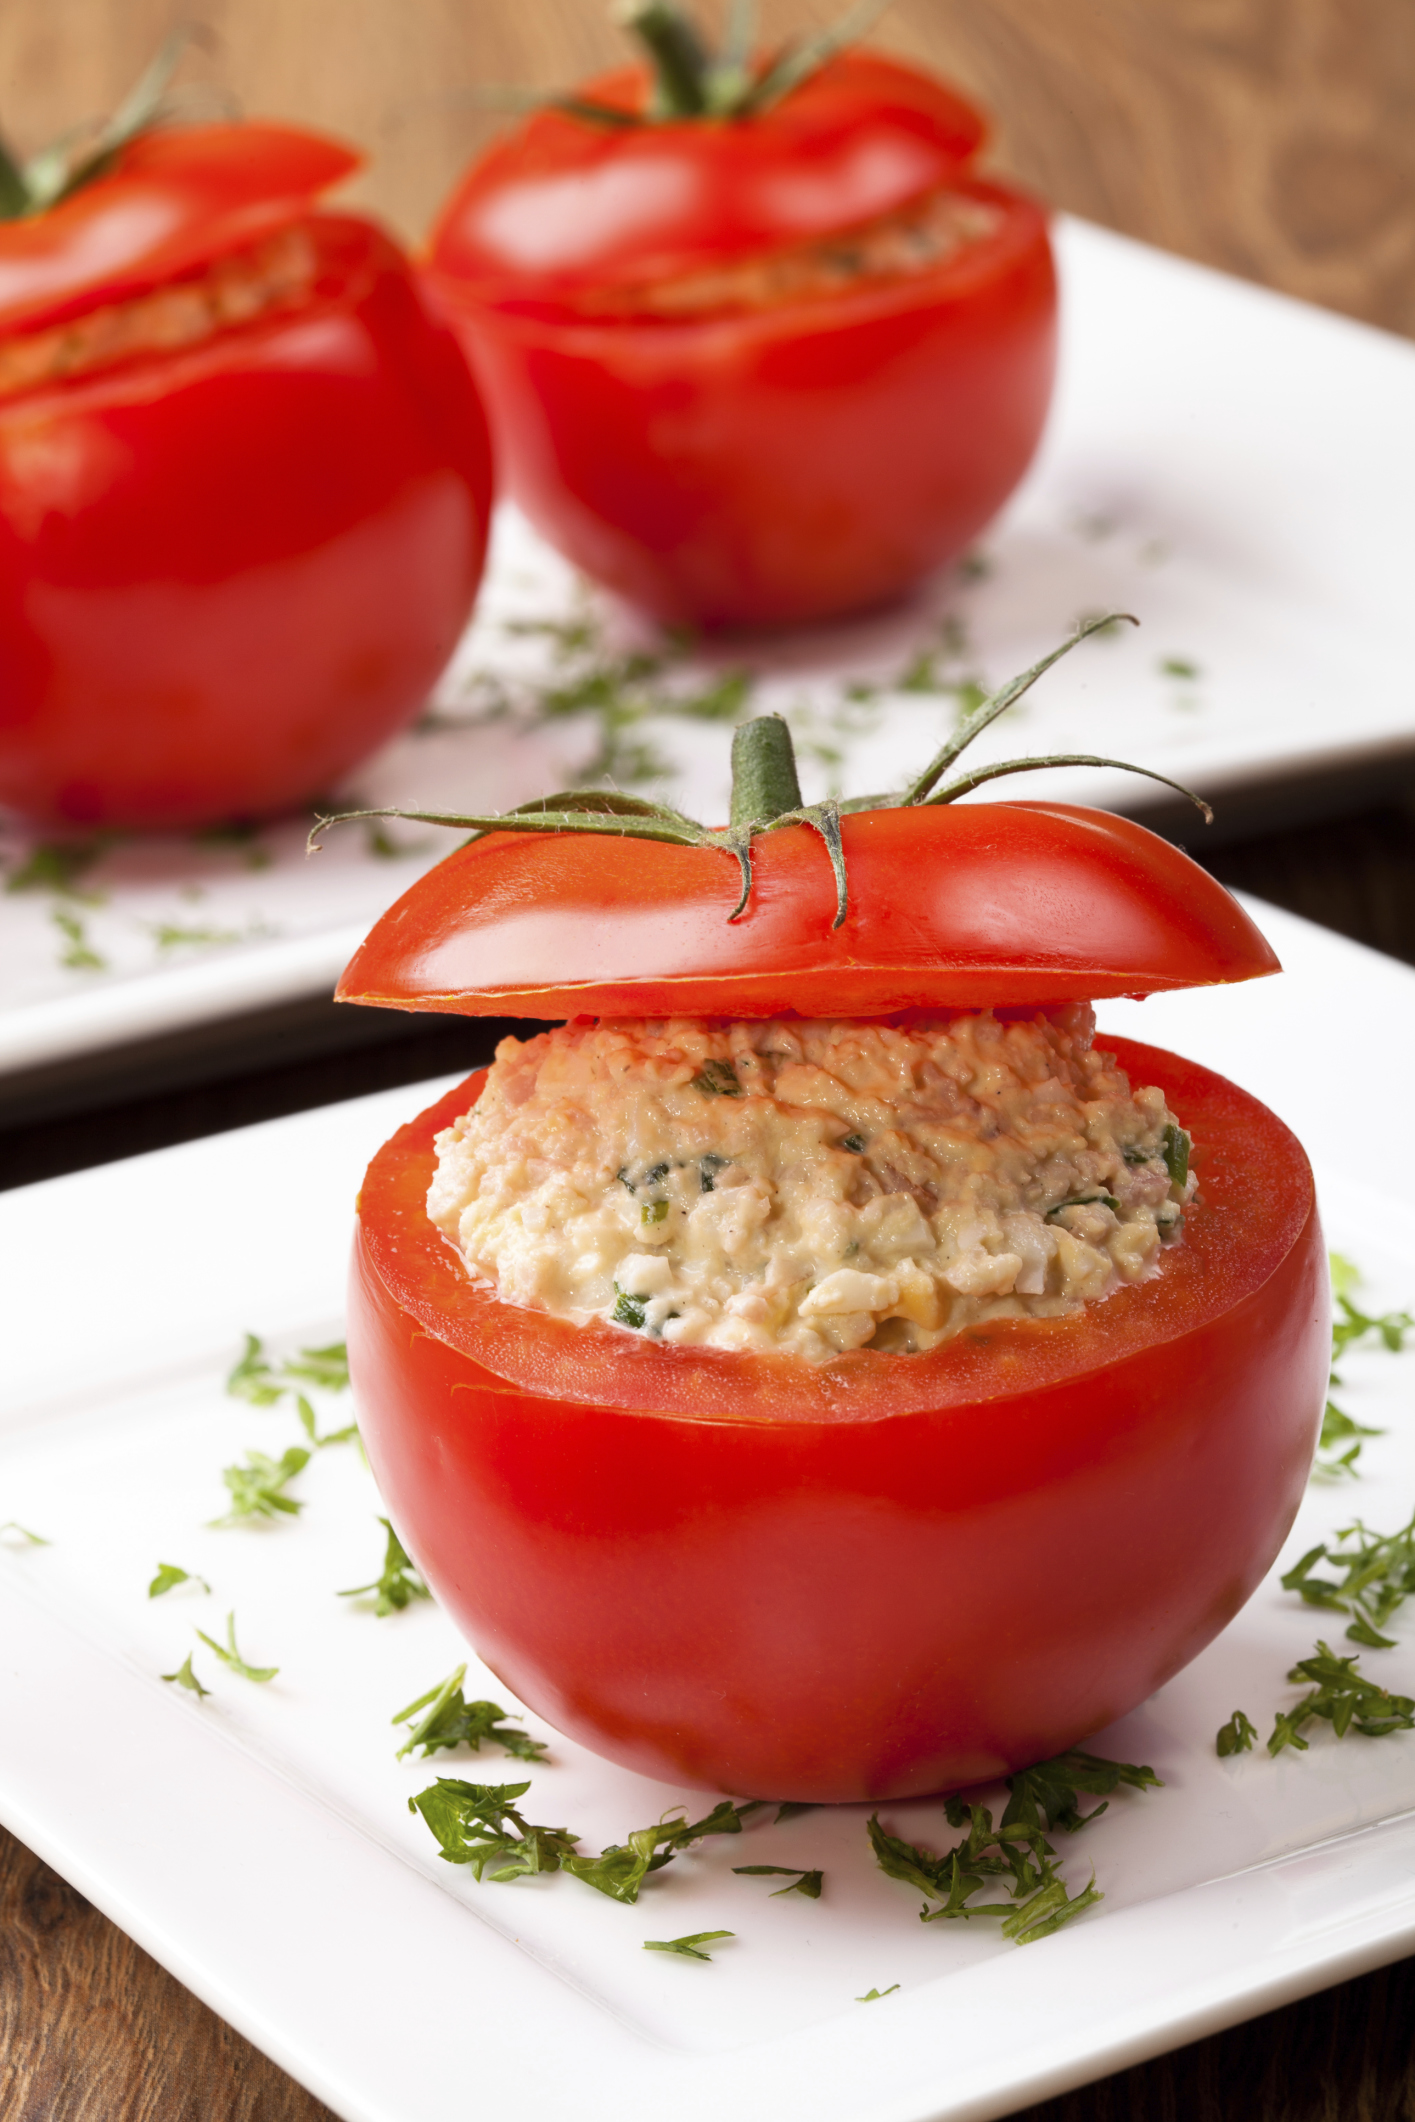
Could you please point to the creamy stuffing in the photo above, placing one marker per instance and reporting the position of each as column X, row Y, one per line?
column 809, row 1186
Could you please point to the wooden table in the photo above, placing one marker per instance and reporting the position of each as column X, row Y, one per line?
column 1270, row 137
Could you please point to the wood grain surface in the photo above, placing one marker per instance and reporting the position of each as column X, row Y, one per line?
column 1274, row 138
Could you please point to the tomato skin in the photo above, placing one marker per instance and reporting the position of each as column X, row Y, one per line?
column 969, row 904
column 796, row 463
column 229, row 573
column 759, row 468
column 916, row 1575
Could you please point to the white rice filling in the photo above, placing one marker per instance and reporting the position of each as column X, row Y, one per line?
column 812, row 1186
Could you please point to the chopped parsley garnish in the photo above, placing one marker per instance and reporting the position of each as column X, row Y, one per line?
column 1344, row 1698
column 450, row 1721
column 256, row 1379
column 854, row 1143
column 399, row 1583
column 1377, row 1577
column 628, row 1311
column 1237, row 1736
column 717, row 1079
column 1018, row 1858
column 78, row 954
column 620, row 1870
column 185, row 1677
column 656, row 1172
column 708, row 1169
column 654, row 1212
column 22, row 1533
column 479, row 1824
column 802, row 1882
column 1046, row 1794
column 1015, row 1855
column 258, row 1487
column 56, row 866
column 232, row 1657
column 331, row 1436
column 877, row 1996
column 169, row 1575
column 1353, row 1324
column 1175, row 1146
column 1339, row 1429
column 1341, row 1440
column 253, row 1378
column 688, row 1947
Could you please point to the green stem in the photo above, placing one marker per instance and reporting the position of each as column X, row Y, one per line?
column 680, row 63
column 764, row 782
column 14, row 192
column 979, row 720
column 966, row 783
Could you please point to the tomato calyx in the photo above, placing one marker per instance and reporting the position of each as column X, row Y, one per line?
column 80, row 157
column 689, row 79
column 766, row 791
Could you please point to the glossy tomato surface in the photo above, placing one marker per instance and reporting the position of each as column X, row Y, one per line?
column 966, row 904
column 762, row 463
column 231, row 569
column 886, row 1576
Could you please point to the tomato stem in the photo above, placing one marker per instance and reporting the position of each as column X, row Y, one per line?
column 14, row 196
column 764, row 779
column 766, row 792
column 676, row 52
column 691, row 81
column 79, row 158
column 1000, row 701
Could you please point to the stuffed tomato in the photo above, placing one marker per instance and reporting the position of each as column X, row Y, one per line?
column 822, row 1367
column 244, row 485
column 757, row 349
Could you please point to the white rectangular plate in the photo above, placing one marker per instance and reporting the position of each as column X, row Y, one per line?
column 1233, row 467
column 259, row 1843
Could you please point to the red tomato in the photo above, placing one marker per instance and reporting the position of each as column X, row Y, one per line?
column 968, row 904
column 244, row 487
column 699, row 397
column 887, row 1576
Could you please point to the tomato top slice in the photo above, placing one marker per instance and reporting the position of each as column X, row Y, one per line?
column 1255, row 1199
column 173, row 200
column 972, row 905
column 563, row 205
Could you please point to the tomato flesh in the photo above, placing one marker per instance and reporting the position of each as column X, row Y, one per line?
column 886, row 1576
column 229, row 572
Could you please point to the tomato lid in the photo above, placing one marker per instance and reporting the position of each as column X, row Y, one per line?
column 974, row 905
column 595, row 903
column 565, row 204
column 170, row 201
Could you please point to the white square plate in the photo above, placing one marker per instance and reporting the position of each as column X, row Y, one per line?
column 259, row 1843
column 1232, row 466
